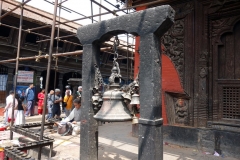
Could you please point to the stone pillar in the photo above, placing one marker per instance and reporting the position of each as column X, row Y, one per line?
column 150, row 121
column 89, row 126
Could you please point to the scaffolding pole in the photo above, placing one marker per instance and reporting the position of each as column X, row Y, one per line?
column 127, row 8
column 1, row 3
column 56, row 59
column 39, row 34
column 105, row 13
column 100, row 5
column 48, row 74
column 9, row 2
column 18, row 6
column 54, row 55
column 16, row 69
column 73, row 35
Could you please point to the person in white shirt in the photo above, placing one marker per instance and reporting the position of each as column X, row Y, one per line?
column 9, row 106
column 75, row 115
column 79, row 92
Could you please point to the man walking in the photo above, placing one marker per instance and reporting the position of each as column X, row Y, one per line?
column 30, row 100
column 57, row 99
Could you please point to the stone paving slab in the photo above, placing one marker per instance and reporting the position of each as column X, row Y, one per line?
column 116, row 143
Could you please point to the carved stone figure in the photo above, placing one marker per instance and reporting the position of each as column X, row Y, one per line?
column 115, row 76
column 181, row 113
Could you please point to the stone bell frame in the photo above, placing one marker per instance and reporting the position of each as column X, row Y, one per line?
column 150, row 25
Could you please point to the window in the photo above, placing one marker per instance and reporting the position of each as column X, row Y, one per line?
column 31, row 38
column 111, row 57
column 231, row 102
column 78, row 48
column 4, row 31
column 124, row 61
column 60, row 44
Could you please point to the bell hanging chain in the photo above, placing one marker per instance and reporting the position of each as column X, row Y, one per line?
column 115, row 45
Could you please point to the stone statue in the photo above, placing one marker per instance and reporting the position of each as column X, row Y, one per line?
column 181, row 111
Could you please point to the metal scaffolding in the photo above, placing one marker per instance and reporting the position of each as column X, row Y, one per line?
column 52, row 37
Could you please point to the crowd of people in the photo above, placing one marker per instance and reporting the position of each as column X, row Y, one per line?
column 24, row 106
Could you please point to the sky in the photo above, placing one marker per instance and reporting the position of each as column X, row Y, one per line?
column 81, row 6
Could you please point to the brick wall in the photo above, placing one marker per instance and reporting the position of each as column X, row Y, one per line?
column 170, row 82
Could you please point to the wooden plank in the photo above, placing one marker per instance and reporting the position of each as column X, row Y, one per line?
column 222, row 59
column 237, row 50
column 189, row 62
column 229, row 43
column 2, row 96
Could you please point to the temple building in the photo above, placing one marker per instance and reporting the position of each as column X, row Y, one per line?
column 200, row 74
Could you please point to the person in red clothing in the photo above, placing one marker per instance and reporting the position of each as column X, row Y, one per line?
column 40, row 101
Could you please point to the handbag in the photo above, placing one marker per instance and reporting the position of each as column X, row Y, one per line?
column 24, row 107
column 64, row 129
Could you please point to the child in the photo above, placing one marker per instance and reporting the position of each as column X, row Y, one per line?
column 20, row 118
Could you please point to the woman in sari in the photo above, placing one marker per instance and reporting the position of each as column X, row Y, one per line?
column 40, row 101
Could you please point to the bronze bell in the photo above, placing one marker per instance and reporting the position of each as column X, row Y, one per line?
column 95, row 98
column 135, row 99
column 113, row 108
column 134, row 119
column 127, row 98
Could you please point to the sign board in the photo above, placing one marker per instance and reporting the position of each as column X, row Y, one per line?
column 25, row 76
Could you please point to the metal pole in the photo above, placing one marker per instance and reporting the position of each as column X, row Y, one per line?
column 113, row 5
column 69, row 10
column 32, row 11
column 56, row 59
column 16, row 69
column 37, row 34
column 104, row 7
column 62, row 2
column 85, row 17
column 127, row 60
column 55, row 55
column 48, row 72
column 21, row 5
column 92, row 10
column 1, row 2
column 140, row 5
column 100, row 10
column 127, row 49
column 72, row 35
